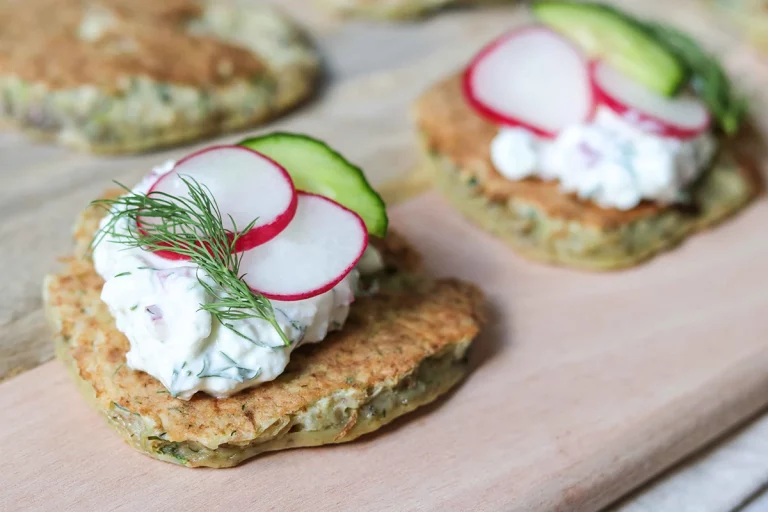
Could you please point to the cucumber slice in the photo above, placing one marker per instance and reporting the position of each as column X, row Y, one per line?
column 605, row 32
column 316, row 168
column 708, row 77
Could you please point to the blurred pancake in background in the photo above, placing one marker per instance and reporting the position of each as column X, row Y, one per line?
column 116, row 76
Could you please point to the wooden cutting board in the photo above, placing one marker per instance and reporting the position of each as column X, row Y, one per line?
column 583, row 386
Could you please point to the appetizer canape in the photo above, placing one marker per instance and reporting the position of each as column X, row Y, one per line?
column 117, row 76
column 249, row 298
column 592, row 139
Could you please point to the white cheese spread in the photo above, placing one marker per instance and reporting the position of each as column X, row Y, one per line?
column 156, row 303
column 608, row 160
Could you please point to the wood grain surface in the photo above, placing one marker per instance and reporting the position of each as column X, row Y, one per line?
column 584, row 384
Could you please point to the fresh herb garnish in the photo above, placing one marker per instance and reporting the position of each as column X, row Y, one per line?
column 174, row 450
column 191, row 227
column 708, row 78
column 240, row 373
column 118, row 406
column 172, row 387
column 121, row 274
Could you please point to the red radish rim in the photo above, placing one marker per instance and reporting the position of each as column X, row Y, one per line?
column 257, row 236
column 665, row 128
column 328, row 286
column 503, row 119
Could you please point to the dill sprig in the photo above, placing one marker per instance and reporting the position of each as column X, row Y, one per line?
column 191, row 227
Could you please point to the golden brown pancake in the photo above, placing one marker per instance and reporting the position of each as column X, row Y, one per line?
column 542, row 222
column 130, row 75
column 400, row 348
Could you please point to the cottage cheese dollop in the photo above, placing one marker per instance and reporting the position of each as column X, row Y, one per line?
column 608, row 160
column 156, row 304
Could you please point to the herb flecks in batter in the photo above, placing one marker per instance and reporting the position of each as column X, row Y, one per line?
column 191, row 226
column 240, row 374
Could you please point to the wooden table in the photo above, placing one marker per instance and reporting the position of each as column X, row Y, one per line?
column 585, row 385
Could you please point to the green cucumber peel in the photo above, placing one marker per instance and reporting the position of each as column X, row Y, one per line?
column 605, row 32
column 702, row 71
column 708, row 78
column 317, row 168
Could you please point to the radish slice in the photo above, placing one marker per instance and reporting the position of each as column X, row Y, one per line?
column 316, row 251
column 682, row 117
column 532, row 78
column 245, row 184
